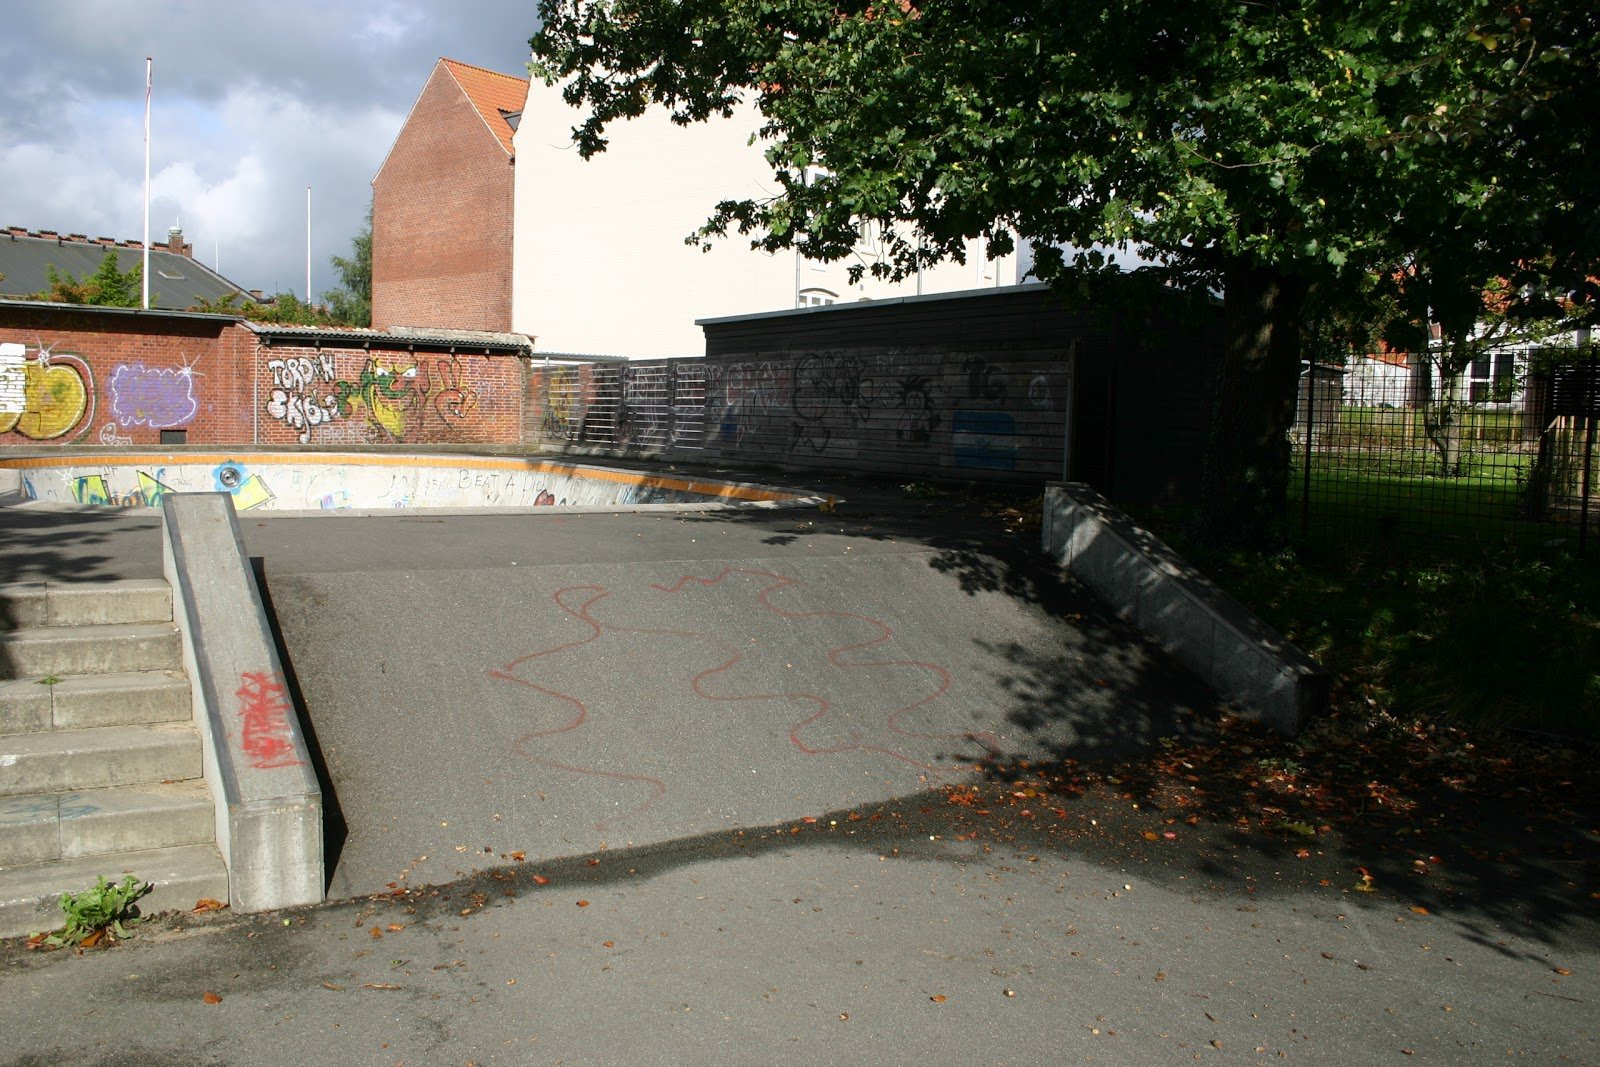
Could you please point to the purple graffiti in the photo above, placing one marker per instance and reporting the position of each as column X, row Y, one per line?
column 152, row 396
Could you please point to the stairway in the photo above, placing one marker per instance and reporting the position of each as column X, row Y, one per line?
column 100, row 766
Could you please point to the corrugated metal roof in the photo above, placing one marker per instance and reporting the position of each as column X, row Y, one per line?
column 395, row 336
column 176, row 282
column 156, row 313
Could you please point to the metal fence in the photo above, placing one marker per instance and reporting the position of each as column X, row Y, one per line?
column 1396, row 448
column 644, row 405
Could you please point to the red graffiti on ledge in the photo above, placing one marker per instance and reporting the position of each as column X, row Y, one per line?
column 264, row 707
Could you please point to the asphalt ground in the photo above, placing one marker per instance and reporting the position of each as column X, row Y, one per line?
column 685, row 787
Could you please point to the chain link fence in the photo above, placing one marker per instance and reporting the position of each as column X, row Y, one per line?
column 1395, row 447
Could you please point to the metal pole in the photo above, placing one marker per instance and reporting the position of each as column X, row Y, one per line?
column 144, row 272
column 1591, row 399
column 1311, row 422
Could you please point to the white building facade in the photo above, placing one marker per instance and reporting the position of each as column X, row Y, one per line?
column 599, row 260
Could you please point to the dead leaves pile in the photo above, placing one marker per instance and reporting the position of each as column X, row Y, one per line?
column 1418, row 790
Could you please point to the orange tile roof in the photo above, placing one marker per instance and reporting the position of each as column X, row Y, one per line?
column 490, row 93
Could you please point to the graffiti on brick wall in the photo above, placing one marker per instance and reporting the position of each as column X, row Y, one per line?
column 46, row 397
column 559, row 398
column 302, row 396
column 109, row 436
column 158, row 397
column 395, row 399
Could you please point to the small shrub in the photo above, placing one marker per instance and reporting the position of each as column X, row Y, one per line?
column 94, row 912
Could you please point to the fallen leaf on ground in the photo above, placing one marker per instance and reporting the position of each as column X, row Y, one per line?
column 375, row 932
column 212, row 998
column 1565, row 972
column 583, row 903
column 207, row 904
column 1419, row 909
column 540, row 879
column 938, row 998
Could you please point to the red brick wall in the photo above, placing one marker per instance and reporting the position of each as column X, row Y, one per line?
column 353, row 396
column 121, row 379
column 441, row 219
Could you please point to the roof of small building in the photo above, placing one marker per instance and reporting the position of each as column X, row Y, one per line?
column 486, row 341
column 495, row 96
column 56, row 307
column 177, row 281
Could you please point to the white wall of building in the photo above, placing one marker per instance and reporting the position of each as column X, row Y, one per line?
column 599, row 264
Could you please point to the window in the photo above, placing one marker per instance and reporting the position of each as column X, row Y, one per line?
column 812, row 298
column 1492, row 377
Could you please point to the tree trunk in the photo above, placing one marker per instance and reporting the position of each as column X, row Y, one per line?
column 1442, row 420
column 1247, row 464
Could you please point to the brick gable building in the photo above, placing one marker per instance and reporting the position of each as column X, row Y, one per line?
column 442, row 205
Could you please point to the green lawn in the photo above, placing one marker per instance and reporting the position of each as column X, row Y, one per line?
column 1460, row 626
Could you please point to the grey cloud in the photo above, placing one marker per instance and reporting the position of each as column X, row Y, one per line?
column 253, row 102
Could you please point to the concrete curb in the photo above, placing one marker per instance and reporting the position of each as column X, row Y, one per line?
column 268, row 802
column 1209, row 632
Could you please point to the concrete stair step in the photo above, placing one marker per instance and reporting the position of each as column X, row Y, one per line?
column 85, row 701
column 58, row 651
column 67, row 760
column 28, row 604
column 93, row 822
column 30, row 896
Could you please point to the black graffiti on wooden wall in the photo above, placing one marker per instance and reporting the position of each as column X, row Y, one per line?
column 985, row 381
column 917, row 415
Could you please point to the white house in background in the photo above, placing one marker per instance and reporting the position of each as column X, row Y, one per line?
column 599, row 263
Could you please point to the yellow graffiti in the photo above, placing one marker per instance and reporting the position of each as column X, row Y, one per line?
column 91, row 489
column 55, row 399
column 252, row 493
column 398, row 395
column 152, row 490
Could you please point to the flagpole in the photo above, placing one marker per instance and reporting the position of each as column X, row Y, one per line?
column 144, row 272
column 308, row 246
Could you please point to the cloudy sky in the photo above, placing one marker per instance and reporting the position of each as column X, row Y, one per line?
column 252, row 103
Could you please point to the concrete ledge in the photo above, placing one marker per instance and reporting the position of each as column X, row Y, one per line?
column 268, row 803
column 1209, row 632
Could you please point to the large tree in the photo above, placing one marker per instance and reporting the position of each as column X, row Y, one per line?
column 351, row 303
column 1292, row 155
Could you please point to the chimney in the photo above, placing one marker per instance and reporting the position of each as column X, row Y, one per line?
column 175, row 243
